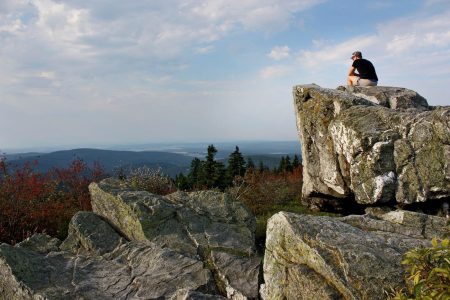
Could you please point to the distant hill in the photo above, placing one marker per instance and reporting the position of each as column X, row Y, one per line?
column 110, row 160
column 172, row 160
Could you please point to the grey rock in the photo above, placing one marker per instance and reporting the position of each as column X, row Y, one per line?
column 90, row 234
column 391, row 97
column 143, row 246
column 195, row 224
column 234, row 274
column 41, row 242
column 352, row 146
column 132, row 271
column 355, row 257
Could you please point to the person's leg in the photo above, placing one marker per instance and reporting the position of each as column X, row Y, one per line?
column 352, row 80
column 367, row 82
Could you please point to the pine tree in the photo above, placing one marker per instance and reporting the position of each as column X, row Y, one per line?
column 236, row 165
column 182, row 182
column 250, row 164
column 261, row 167
column 195, row 174
column 295, row 162
column 220, row 178
column 282, row 165
column 209, row 167
column 212, row 172
column 288, row 165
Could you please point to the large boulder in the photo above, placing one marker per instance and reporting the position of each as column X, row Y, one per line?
column 140, row 246
column 35, row 269
column 391, row 97
column 355, row 257
column 208, row 225
column 356, row 146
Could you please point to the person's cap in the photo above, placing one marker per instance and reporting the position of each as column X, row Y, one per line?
column 356, row 53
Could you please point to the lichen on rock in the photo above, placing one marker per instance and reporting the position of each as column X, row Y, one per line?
column 357, row 144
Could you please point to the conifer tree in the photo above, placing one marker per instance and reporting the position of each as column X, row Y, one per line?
column 250, row 164
column 236, row 165
column 295, row 162
column 195, row 174
column 209, row 166
column 288, row 166
column 182, row 182
column 213, row 172
column 261, row 167
column 282, row 165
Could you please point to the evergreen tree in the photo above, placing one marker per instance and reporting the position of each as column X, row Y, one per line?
column 213, row 172
column 295, row 162
column 220, row 177
column 182, row 182
column 282, row 165
column 195, row 174
column 288, row 165
column 262, row 167
column 236, row 165
column 209, row 167
column 250, row 164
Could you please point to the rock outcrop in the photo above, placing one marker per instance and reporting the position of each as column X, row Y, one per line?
column 140, row 246
column 376, row 145
column 354, row 257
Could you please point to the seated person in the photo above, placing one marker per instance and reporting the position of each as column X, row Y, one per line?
column 366, row 75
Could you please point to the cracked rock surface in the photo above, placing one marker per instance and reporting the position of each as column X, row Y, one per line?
column 132, row 270
column 377, row 144
column 354, row 257
column 205, row 225
column 136, row 245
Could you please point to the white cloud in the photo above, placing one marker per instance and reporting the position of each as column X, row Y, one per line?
column 334, row 54
column 204, row 50
column 279, row 53
column 274, row 71
column 47, row 74
column 270, row 15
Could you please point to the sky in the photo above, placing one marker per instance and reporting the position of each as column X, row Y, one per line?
column 78, row 73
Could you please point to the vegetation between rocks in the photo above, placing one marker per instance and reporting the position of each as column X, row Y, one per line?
column 428, row 272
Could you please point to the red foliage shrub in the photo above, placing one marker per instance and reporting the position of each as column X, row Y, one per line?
column 32, row 201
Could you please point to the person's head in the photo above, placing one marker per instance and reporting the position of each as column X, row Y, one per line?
column 356, row 55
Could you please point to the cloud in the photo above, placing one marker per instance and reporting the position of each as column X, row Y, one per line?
column 279, row 53
column 204, row 50
column 269, row 15
column 335, row 53
column 47, row 75
column 274, row 71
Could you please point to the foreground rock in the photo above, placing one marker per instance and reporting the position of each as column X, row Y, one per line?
column 208, row 225
column 355, row 145
column 140, row 246
column 133, row 270
column 355, row 257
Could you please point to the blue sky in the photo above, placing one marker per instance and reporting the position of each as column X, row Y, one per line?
column 78, row 73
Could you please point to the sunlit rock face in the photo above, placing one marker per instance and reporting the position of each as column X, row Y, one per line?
column 137, row 245
column 354, row 257
column 372, row 144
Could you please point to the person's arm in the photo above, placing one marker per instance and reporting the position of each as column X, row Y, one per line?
column 351, row 71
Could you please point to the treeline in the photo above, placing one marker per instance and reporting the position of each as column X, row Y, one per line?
column 211, row 173
column 32, row 201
